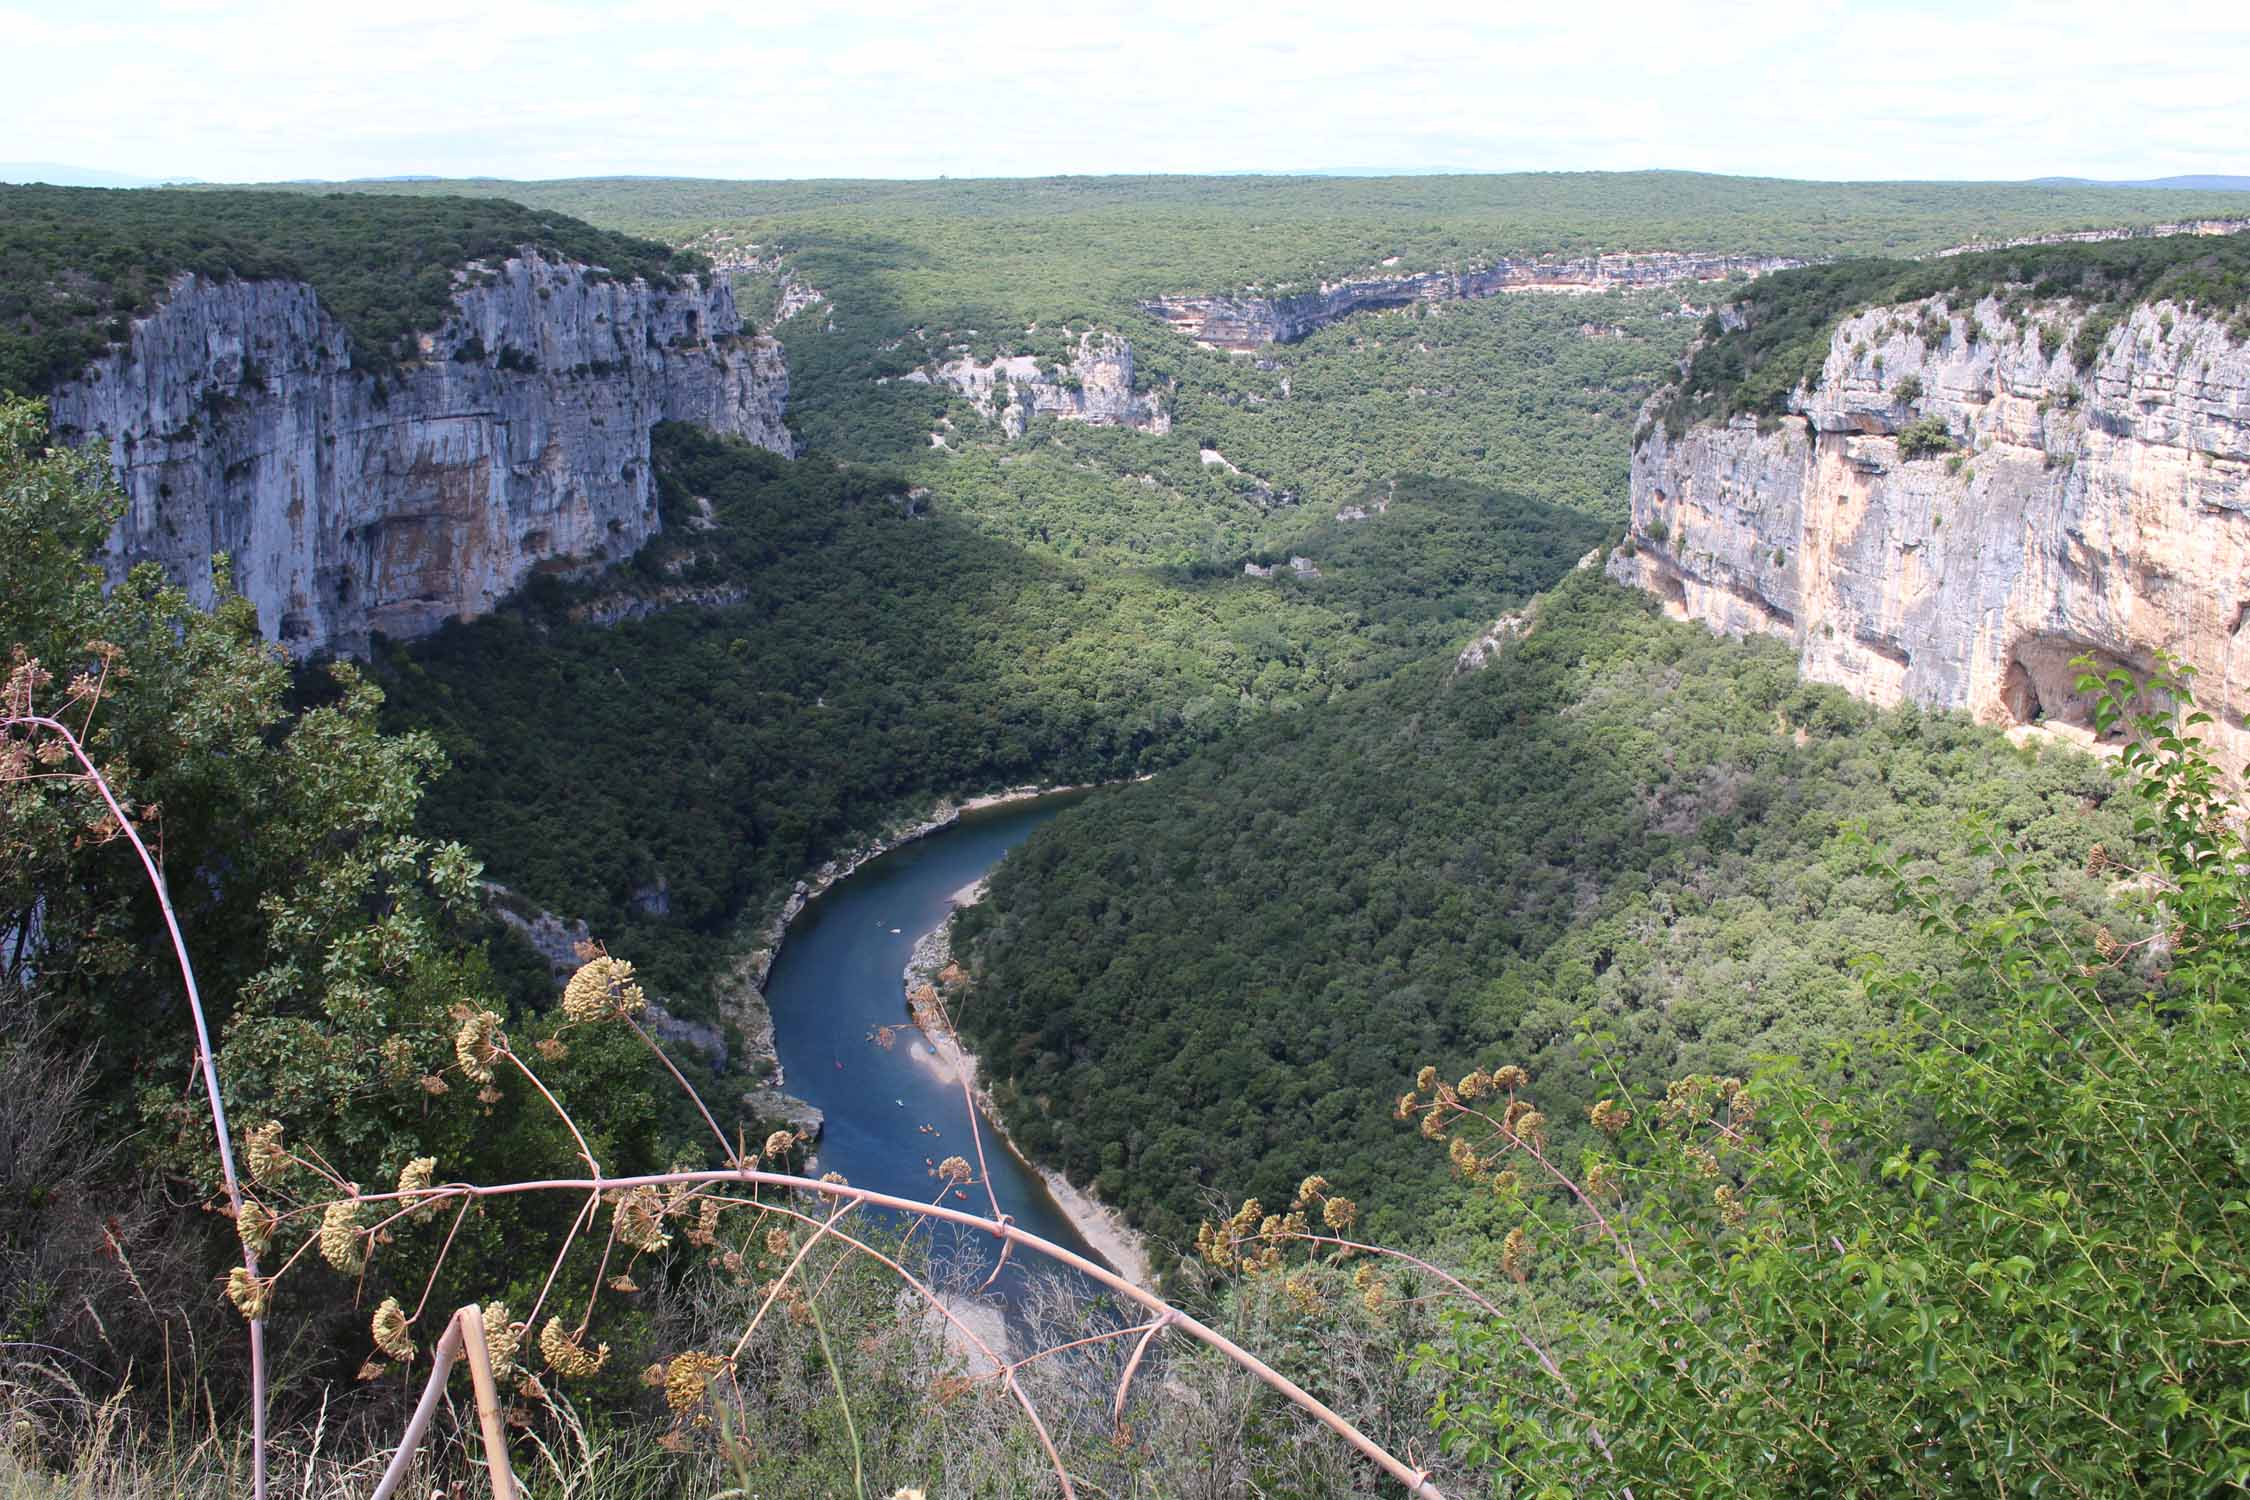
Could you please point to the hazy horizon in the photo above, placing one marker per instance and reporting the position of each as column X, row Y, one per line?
column 259, row 91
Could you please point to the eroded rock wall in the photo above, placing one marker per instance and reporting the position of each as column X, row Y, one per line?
column 353, row 502
column 2054, row 512
column 1252, row 320
column 1096, row 388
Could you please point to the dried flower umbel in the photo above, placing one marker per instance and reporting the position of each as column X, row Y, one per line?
column 255, row 1225
column 390, row 1331
column 640, row 1215
column 251, row 1295
column 340, row 1242
column 601, row 989
column 414, row 1178
column 262, row 1148
column 688, row 1377
column 502, row 1339
column 566, row 1356
column 476, row 1046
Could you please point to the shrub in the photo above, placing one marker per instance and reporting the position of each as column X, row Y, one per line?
column 2019, row 1268
column 1925, row 438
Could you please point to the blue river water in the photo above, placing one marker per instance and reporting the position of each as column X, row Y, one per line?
column 838, row 979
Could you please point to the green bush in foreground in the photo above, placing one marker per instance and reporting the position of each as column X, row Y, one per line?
column 2019, row 1270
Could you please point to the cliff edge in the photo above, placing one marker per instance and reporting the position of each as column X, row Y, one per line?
column 353, row 502
column 1953, row 510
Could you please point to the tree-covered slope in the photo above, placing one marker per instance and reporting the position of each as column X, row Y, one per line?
column 77, row 263
column 829, row 650
column 1621, row 817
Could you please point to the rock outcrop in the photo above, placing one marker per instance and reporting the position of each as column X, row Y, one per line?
column 2100, row 236
column 1096, row 387
column 1952, row 519
column 1251, row 320
column 353, row 502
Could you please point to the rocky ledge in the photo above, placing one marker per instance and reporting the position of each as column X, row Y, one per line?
column 1096, row 387
column 1953, row 512
column 1251, row 320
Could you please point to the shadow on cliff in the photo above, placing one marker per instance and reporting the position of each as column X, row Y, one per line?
column 802, row 656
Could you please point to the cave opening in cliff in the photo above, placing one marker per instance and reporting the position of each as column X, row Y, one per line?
column 2040, row 685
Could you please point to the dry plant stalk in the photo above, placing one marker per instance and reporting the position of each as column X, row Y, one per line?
column 604, row 990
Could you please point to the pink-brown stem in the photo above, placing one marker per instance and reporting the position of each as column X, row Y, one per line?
column 968, row 1097
column 1417, row 1481
column 585, row 1151
column 1462, row 1288
column 204, row 1055
column 1632, row 1261
column 429, row 1285
column 685, row 1087
column 1133, row 1366
column 826, row 1227
column 591, row 1207
column 1143, row 1329
column 441, row 1365
column 781, row 1282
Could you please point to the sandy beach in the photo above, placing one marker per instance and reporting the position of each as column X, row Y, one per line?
column 1101, row 1226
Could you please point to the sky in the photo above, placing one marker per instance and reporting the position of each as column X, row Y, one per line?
column 260, row 90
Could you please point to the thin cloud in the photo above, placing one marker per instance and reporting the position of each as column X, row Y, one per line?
column 261, row 89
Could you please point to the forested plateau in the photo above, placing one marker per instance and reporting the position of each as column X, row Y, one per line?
column 1605, row 972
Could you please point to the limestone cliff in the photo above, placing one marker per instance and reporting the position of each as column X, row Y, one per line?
column 2034, row 512
column 1096, row 387
column 354, row 502
column 1250, row 320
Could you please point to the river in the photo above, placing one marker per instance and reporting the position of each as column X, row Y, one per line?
column 838, row 979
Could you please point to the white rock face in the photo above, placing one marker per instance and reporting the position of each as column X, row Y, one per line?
column 2106, row 514
column 1251, row 320
column 352, row 503
column 1096, row 388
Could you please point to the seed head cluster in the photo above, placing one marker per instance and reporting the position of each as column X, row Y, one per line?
column 414, row 1178
column 476, row 1046
column 263, row 1149
column 1515, row 1253
column 566, row 1356
column 688, row 1377
column 503, row 1340
column 251, row 1295
column 640, row 1220
column 390, row 1329
column 255, row 1225
column 601, row 989
column 340, row 1242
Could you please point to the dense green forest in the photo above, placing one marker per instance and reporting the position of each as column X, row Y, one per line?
column 77, row 263
column 1624, row 852
column 1786, row 319
column 1048, row 247
column 1622, row 818
column 841, row 652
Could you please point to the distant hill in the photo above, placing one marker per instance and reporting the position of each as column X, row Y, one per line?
column 2204, row 183
column 59, row 174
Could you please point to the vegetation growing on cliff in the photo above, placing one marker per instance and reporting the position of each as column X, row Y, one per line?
column 1622, row 817
column 1786, row 319
column 77, row 264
